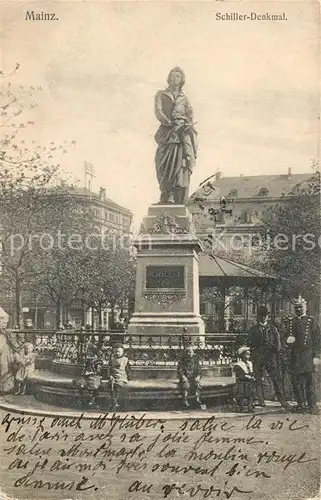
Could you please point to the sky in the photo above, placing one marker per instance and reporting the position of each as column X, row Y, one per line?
column 253, row 85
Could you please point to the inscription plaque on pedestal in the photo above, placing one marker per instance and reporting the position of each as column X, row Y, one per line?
column 165, row 277
column 167, row 284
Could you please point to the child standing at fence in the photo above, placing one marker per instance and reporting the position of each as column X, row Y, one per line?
column 119, row 375
column 245, row 381
column 24, row 365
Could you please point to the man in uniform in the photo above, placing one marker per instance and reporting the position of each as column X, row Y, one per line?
column 264, row 341
column 304, row 345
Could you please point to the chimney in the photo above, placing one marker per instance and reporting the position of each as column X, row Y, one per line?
column 102, row 193
column 218, row 175
column 289, row 172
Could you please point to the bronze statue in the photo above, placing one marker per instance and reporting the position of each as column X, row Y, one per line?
column 176, row 140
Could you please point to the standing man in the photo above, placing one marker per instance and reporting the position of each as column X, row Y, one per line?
column 265, row 343
column 304, row 344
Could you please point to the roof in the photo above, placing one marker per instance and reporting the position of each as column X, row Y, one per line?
column 249, row 186
column 81, row 191
column 211, row 265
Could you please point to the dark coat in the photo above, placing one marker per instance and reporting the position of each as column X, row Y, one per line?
column 265, row 339
column 265, row 344
column 307, row 343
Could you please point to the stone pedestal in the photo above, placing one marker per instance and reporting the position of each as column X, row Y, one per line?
column 167, row 285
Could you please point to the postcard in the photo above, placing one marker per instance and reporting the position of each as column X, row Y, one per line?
column 160, row 250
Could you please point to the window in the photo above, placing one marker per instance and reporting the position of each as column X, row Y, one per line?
column 111, row 216
column 233, row 193
column 97, row 212
column 295, row 189
column 237, row 308
column 263, row 191
column 210, row 308
column 246, row 217
column 278, row 306
column 255, row 240
column 106, row 214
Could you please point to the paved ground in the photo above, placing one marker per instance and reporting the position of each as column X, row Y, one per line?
column 28, row 404
column 48, row 458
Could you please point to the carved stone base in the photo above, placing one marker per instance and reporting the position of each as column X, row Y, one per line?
column 167, row 285
column 166, row 324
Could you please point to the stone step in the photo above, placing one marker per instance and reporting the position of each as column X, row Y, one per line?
column 59, row 390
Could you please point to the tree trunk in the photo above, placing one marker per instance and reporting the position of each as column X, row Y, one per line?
column 66, row 315
column 18, row 302
column 273, row 304
column 92, row 318
column 59, row 315
column 131, row 307
column 36, row 314
column 246, row 307
column 100, row 320
column 222, row 311
column 113, row 322
column 83, row 312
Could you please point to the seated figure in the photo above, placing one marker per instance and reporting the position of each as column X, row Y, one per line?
column 24, row 365
column 119, row 375
column 244, row 394
column 189, row 375
column 88, row 384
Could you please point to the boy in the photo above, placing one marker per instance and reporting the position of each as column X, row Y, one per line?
column 24, row 365
column 119, row 374
column 89, row 383
column 245, row 381
column 189, row 375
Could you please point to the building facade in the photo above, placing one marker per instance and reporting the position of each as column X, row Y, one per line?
column 245, row 199
column 109, row 218
column 227, row 214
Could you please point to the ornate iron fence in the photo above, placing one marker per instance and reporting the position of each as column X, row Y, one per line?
column 75, row 346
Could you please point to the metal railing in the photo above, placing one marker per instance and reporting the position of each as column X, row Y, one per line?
column 75, row 346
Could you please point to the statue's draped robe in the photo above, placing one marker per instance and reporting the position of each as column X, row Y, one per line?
column 176, row 152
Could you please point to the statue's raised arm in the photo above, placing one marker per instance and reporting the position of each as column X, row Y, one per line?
column 176, row 140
